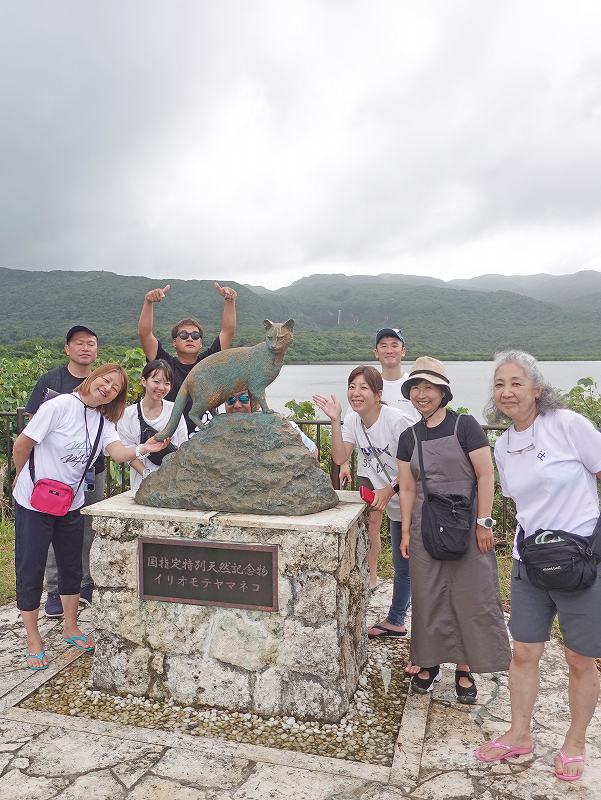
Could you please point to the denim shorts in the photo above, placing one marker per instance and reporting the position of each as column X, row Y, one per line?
column 533, row 611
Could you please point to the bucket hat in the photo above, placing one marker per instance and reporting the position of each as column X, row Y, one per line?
column 428, row 369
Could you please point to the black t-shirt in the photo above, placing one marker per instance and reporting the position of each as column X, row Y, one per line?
column 59, row 380
column 180, row 373
column 469, row 432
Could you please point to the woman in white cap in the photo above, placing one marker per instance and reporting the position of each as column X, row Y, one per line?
column 457, row 615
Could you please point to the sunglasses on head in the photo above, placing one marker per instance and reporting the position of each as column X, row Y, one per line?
column 187, row 335
column 243, row 398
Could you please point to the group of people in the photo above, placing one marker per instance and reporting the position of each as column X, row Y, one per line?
column 79, row 415
column 549, row 461
column 411, row 448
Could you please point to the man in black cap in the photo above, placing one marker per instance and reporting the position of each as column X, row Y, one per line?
column 81, row 348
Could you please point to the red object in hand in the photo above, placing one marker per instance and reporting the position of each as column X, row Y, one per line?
column 367, row 495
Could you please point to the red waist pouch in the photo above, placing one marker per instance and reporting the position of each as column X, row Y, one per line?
column 52, row 497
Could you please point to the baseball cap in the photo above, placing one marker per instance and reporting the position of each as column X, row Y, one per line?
column 79, row 329
column 395, row 332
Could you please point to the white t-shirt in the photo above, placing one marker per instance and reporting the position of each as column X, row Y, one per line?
column 391, row 395
column 129, row 433
column 63, row 445
column 553, row 482
column 384, row 436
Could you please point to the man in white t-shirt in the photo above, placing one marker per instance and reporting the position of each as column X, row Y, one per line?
column 389, row 351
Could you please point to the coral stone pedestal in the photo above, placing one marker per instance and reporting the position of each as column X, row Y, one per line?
column 303, row 659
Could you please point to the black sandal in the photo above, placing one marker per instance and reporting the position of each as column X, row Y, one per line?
column 465, row 694
column 424, row 685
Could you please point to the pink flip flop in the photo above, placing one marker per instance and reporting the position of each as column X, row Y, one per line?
column 569, row 760
column 507, row 751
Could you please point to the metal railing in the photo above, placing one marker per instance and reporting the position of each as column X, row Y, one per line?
column 117, row 477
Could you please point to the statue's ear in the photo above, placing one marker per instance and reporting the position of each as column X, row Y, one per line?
column 268, row 324
column 288, row 324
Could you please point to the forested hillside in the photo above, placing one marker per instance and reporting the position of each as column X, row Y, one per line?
column 336, row 315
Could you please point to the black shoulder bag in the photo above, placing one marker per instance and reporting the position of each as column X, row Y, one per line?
column 560, row 561
column 147, row 432
column 446, row 518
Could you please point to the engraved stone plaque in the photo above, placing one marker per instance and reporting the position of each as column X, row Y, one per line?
column 208, row 573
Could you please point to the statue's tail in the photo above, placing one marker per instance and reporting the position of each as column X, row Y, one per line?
column 178, row 410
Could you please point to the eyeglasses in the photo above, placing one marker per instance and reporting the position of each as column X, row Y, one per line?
column 243, row 398
column 195, row 335
column 529, row 443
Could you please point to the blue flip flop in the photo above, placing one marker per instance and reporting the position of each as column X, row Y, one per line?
column 38, row 656
column 72, row 641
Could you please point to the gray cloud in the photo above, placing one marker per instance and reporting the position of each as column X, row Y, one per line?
column 263, row 141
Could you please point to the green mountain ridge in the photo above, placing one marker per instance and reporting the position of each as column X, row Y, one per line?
column 336, row 315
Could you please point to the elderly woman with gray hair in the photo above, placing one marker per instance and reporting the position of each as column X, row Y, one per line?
column 549, row 460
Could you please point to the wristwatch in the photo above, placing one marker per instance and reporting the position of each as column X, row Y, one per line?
column 139, row 453
column 486, row 522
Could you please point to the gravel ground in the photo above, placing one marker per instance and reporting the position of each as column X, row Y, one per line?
column 367, row 733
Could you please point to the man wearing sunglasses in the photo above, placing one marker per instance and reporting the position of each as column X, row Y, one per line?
column 187, row 339
column 241, row 404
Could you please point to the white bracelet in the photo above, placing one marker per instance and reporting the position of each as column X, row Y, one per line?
column 139, row 453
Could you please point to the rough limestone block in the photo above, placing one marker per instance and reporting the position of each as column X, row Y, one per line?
column 175, row 627
column 313, row 550
column 192, row 681
column 315, row 597
column 307, row 699
column 247, row 640
column 115, row 563
column 313, row 651
column 120, row 669
column 118, row 613
column 267, row 695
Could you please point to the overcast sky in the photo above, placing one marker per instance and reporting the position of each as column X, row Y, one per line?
column 263, row 141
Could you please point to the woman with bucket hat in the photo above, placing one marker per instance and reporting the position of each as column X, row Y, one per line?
column 446, row 481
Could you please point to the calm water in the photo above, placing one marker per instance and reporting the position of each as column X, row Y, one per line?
column 470, row 381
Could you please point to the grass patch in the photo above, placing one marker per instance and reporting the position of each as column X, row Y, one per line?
column 7, row 557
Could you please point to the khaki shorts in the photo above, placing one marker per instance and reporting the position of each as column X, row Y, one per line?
column 533, row 611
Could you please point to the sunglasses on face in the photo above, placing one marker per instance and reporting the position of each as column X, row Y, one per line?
column 195, row 335
column 243, row 398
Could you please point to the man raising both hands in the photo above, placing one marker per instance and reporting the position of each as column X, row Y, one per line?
column 187, row 338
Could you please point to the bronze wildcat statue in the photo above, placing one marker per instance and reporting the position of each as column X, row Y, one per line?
column 229, row 372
